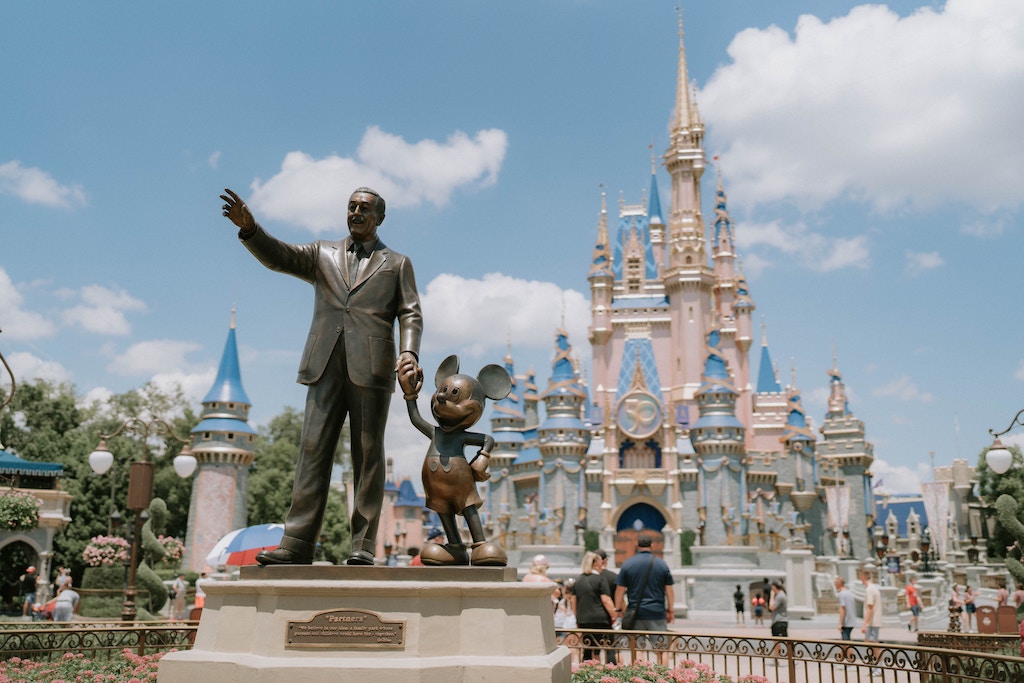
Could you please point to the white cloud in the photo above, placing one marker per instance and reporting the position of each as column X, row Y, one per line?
column 1019, row 374
column 149, row 358
column 904, row 389
column 986, row 227
column 102, row 310
column 899, row 478
column 473, row 316
column 313, row 193
column 492, row 312
column 15, row 322
column 35, row 186
column 194, row 385
column 812, row 250
column 27, row 367
column 919, row 261
column 214, row 159
column 873, row 107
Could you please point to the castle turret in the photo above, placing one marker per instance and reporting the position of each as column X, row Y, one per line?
column 601, row 277
column 844, row 458
column 507, row 422
column 222, row 445
column 688, row 279
column 563, row 438
column 718, row 440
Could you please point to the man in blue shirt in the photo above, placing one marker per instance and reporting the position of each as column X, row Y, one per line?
column 655, row 606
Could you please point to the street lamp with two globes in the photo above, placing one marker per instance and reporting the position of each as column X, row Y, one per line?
column 140, row 486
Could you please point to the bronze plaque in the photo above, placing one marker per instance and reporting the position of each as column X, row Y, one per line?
column 344, row 628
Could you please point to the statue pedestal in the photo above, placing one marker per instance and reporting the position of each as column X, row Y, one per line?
column 426, row 625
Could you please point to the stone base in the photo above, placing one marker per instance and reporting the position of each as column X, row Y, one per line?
column 459, row 625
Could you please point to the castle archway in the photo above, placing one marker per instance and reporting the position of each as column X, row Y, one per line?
column 15, row 557
column 639, row 518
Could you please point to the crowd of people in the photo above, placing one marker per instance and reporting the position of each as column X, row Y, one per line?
column 63, row 601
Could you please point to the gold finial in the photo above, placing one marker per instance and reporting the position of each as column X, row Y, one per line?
column 233, row 309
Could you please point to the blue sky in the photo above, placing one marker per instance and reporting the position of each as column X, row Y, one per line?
column 873, row 156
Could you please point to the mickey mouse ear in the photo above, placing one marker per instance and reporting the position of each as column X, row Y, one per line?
column 495, row 381
column 448, row 367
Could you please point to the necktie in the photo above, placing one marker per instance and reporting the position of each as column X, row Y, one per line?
column 353, row 262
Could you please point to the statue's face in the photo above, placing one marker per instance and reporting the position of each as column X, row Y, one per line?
column 457, row 403
column 363, row 217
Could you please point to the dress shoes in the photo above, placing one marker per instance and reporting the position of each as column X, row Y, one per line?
column 447, row 555
column 281, row 556
column 360, row 557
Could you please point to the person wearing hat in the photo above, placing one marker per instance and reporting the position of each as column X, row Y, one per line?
column 28, row 589
column 434, row 536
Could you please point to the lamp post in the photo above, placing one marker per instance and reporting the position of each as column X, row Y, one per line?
column 140, row 486
column 926, row 545
column 998, row 456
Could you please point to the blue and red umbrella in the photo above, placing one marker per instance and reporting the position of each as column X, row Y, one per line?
column 239, row 547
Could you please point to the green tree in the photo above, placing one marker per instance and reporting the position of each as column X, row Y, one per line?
column 991, row 486
column 273, row 475
column 46, row 422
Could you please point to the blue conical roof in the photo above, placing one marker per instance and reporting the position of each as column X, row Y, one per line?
column 227, row 388
column 767, row 382
column 654, row 210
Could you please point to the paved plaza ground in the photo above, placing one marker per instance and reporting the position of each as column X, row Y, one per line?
column 819, row 627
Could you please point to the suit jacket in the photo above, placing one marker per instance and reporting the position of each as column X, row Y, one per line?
column 365, row 310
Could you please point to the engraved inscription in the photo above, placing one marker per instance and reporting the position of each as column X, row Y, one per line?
column 346, row 628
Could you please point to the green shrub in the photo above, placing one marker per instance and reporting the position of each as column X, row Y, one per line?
column 591, row 540
column 686, row 541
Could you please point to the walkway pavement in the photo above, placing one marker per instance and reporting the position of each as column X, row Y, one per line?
column 819, row 627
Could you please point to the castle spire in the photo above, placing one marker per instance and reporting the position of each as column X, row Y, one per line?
column 601, row 263
column 227, row 388
column 767, row 379
column 654, row 208
column 683, row 118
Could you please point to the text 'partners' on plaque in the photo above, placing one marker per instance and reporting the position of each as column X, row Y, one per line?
column 346, row 628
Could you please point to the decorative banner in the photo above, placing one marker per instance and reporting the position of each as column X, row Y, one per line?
column 936, row 509
column 837, row 498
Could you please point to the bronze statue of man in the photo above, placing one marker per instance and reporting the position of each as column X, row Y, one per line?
column 361, row 287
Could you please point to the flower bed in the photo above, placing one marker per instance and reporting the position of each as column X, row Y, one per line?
column 648, row 672
column 75, row 668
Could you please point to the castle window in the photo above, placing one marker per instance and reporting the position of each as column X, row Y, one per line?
column 206, row 436
column 231, row 437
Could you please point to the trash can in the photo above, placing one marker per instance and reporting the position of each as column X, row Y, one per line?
column 986, row 619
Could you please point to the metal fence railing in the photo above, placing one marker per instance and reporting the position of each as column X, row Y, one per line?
column 793, row 659
column 778, row 659
column 99, row 640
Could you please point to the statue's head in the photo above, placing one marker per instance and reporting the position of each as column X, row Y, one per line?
column 459, row 400
column 365, row 212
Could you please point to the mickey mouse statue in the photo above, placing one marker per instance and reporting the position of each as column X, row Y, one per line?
column 449, row 479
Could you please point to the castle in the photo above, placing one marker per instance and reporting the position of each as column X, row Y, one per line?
column 673, row 434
